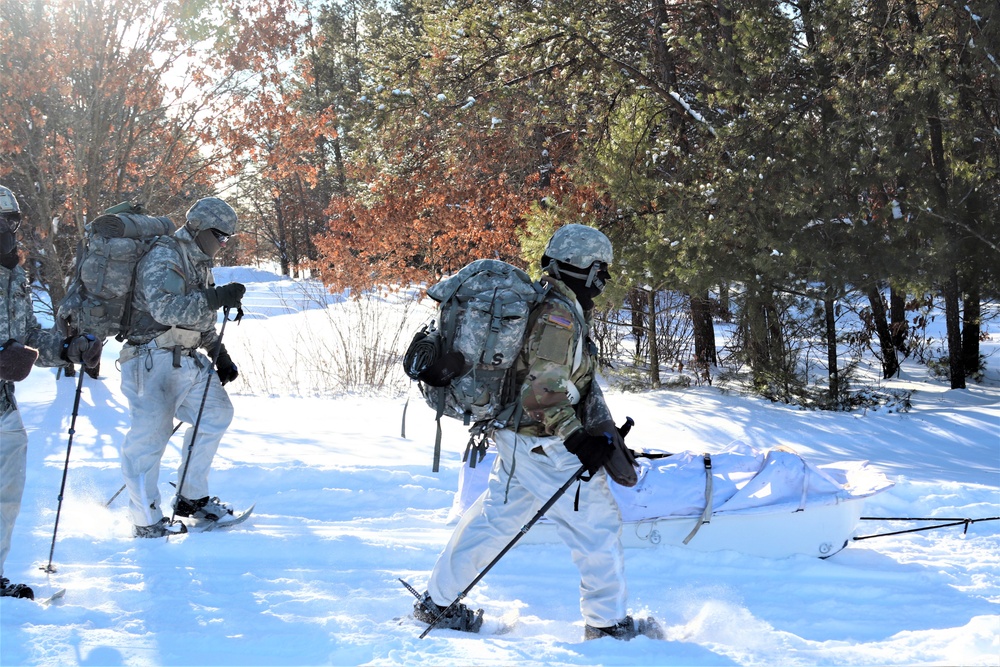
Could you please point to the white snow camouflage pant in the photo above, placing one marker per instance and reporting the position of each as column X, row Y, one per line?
column 13, row 466
column 593, row 533
column 157, row 392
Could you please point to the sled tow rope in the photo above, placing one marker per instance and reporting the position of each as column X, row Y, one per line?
column 951, row 521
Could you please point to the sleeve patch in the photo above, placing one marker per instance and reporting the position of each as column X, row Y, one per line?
column 560, row 320
column 554, row 344
column 173, row 283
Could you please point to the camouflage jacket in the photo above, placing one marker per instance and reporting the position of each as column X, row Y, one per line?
column 169, row 291
column 556, row 367
column 17, row 321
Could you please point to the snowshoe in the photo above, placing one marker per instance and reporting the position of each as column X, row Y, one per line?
column 162, row 528
column 460, row 617
column 9, row 590
column 203, row 509
column 626, row 629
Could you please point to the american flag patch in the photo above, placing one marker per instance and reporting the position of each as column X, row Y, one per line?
column 561, row 321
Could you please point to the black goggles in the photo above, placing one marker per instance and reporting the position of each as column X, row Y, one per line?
column 219, row 236
column 10, row 222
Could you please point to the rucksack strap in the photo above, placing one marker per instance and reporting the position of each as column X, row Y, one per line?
column 125, row 324
column 437, row 435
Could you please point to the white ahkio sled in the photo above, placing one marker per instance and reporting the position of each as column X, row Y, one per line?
column 772, row 504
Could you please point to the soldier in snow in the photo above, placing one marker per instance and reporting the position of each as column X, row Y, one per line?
column 164, row 375
column 25, row 344
column 566, row 422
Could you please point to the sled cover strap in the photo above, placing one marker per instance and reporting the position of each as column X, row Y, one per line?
column 706, row 516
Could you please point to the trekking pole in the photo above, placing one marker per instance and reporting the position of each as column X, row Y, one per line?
column 119, row 491
column 62, row 488
column 524, row 529
column 201, row 409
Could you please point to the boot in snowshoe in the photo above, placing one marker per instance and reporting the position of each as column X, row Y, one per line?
column 203, row 509
column 162, row 528
column 9, row 590
column 626, row 629
column 460, row 617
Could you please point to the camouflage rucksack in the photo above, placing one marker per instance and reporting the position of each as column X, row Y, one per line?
column 482, row 319
column 99, row 299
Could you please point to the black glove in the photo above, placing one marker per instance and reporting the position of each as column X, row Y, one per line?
column 621, row 465
column 16, row 360
column 83, row 349
column 228, row 296
column 592, row 450
column 225, row 368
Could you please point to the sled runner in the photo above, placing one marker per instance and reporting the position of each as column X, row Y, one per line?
column 772, row 504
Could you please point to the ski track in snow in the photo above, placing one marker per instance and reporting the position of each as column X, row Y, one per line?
column 345, row 506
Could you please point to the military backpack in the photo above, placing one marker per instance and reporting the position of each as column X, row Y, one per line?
column 465, row 359
column 99, row 299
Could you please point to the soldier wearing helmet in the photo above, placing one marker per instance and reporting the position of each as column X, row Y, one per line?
column 166, row 373
column 23, row 344
column 565, row 422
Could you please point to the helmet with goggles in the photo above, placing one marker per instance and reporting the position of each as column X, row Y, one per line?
column 211, row 213
column 581, row 252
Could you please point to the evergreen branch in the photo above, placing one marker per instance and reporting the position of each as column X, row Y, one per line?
column 668, row 95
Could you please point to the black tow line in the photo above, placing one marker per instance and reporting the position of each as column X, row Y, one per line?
column 951, row 521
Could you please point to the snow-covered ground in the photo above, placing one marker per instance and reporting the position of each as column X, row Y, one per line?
column 345, row 506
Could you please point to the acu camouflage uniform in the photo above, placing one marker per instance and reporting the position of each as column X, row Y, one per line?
column 556, row 371
column 17, row 321
column 164, row 374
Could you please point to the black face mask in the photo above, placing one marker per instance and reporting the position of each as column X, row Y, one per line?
column 585, row 295
column 8, row 249
column 209, row 242
column 576, row 279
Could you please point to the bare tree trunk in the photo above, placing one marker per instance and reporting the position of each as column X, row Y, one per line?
column 756, row 338
column 282, row 237
column 890, row 364
column 971, row 329
column 724, row 303
column 771, row 367
column 951, row 290
column 654, row 352
column 898, row 327
column 953, row 318
column 704, row 331
column 637, row 307
column 830, row 317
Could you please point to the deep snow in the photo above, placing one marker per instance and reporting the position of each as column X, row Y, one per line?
column 345, row 506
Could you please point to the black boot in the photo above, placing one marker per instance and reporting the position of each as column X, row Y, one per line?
column 162, row 528
column 460, row 617
column 202, row 509
column 9, row 590
column 626, row 629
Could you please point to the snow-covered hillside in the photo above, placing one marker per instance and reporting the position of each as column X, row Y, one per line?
column 345, row 506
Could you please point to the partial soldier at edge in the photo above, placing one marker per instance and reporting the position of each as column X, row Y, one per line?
column 25, row 344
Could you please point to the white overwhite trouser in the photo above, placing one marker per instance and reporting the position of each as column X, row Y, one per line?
column 13, row 464
column 593, row 533
column 157, row 392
